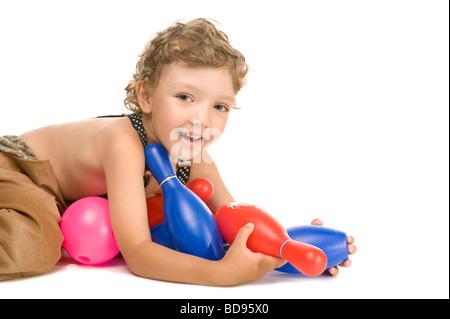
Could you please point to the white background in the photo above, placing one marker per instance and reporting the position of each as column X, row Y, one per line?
column 345, row 118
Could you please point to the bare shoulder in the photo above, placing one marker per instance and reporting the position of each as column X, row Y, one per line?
column 81, row 152
column 91, row 135
column 119, row 141
column 120, row 156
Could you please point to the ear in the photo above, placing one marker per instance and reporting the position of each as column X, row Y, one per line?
column 143, row 97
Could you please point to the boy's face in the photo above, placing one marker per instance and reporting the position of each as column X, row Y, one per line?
column 189, row 108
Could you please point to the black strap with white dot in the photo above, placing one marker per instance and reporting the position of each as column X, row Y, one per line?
column 136, row 121
column 183, row 173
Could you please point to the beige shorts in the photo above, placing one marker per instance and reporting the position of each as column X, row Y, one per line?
column 31, row 205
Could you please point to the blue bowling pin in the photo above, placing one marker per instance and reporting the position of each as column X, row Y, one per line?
column 332, row 242
column 160, row 235
column 189, row 221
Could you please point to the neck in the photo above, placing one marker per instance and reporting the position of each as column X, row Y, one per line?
column 147, row 121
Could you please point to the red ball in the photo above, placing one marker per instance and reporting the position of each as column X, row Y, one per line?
column 202, row 187
column 155, row 210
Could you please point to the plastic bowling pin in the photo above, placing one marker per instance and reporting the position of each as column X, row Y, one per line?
column 269, row 237
column 190, row 222
column 332, row 242
column 202, row 187
column 160, row 235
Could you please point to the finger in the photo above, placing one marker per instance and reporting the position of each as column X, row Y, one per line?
column 333, row 271
column 243, row 234
column 280, row 263
column 346, row 263
column 274, row 262
column 350, row 239
column 317, row 221
column 352, row 249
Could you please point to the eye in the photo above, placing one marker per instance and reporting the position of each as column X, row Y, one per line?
column 221, row 108
column 185, row 98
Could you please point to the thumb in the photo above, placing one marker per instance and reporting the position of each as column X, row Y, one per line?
column 243, row 234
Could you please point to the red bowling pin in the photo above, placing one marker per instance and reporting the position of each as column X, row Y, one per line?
column 269, row 238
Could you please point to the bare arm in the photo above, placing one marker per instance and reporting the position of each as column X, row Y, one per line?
column 123, row 163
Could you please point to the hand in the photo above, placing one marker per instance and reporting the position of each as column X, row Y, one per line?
column 241, row 265
column 351, row 250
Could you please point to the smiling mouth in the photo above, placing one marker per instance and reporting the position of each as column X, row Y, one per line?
column 187, row 136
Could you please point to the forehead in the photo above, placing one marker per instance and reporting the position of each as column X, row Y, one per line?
column 214, row 80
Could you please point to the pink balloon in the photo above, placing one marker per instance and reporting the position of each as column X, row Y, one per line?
column 88, row 235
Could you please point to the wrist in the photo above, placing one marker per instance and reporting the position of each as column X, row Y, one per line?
column 220, row 274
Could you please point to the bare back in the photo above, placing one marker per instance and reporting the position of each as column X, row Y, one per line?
column 74, row 148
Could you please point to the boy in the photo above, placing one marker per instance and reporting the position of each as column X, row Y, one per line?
column 185, row 84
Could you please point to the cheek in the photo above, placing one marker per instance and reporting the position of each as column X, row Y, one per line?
column 216, row 130
column 221, row 123
column 165, row 125
column 162, row 126
column 164, row 120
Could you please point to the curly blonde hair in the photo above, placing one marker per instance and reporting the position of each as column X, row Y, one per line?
column 197, row 43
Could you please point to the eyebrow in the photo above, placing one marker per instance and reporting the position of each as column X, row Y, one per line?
column 185, row 85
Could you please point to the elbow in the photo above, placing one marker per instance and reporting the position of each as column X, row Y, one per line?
column 138, row 259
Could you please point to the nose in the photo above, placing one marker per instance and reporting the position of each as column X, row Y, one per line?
column 201, row 117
